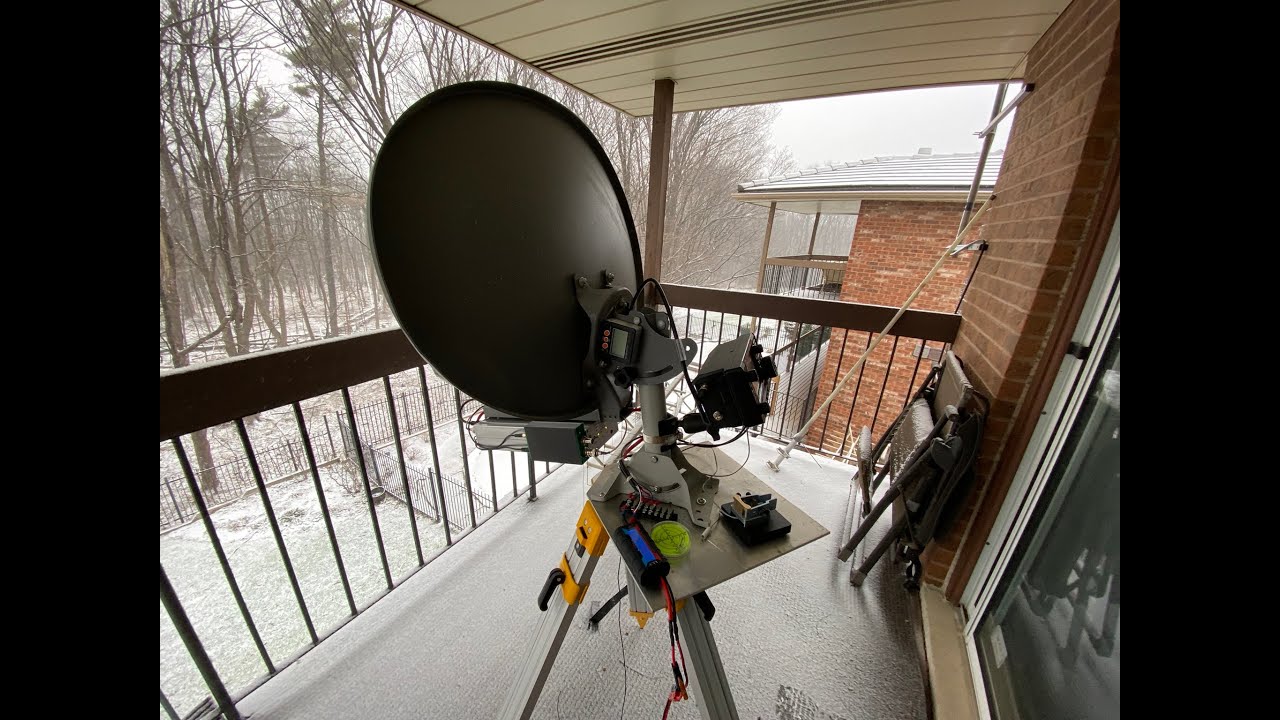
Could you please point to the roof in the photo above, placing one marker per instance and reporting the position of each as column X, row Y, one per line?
column 723, row 53
column 841, row 187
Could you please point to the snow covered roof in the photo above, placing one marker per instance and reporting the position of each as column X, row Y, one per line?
column 840, row 188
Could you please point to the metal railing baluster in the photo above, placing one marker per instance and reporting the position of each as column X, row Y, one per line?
column 168, row 707
column 324, row 505
column 906, row 397
column 368, row 492
column 493, row 482
column 835, row 380
column 857, row 387
column 275, row 529
column 442, row 511
column 404, row 470
column 195, row 648
column 198, row 497
column 888, row 369
column 466, row 466
column 533, row 482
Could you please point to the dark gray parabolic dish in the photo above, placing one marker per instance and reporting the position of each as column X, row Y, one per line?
column 486, row 201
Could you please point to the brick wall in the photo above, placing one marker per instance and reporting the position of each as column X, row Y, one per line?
column 894, row 245
column 1063, row 139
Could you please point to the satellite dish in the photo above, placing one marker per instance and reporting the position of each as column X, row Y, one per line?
column 486, row 201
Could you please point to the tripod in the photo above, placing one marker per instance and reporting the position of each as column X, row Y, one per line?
column 709, row 562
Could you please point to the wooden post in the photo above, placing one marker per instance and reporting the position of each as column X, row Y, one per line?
column 659, row 165
column 764, row 252
column 813, row 235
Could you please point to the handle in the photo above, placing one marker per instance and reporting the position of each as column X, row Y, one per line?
column 704, row 604
column 555, row 578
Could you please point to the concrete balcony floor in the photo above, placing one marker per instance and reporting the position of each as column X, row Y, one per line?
column 796, row 640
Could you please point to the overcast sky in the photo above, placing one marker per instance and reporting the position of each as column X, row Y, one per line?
column 856, row 127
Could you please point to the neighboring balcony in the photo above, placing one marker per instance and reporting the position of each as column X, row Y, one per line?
column 818, row 277
column 300, row 487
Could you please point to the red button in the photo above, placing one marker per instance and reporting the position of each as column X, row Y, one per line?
column 604, row 345
column 606, row 333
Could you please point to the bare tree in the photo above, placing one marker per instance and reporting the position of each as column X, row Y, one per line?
column 264, row 182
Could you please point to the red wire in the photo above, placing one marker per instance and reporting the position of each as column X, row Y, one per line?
column 683, row 669
column 671, row 602
column 631, row 446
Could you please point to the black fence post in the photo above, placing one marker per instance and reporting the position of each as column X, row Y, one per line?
column 168, row 485
column 333, row 452
column 435, row 457
column 533, row 481
column 368, row 493
column 404, row 471
column 466, row 466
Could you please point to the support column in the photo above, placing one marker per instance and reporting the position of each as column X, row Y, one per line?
column 813, row 234
column 764, row 252
column 659, row 166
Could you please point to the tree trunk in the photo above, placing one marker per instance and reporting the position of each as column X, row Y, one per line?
column 170, row 308
column 232, row 218
column 326, row 226
column 272, row 260
column 182, row 200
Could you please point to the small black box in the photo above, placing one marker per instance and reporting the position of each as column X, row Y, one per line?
column 775, row 527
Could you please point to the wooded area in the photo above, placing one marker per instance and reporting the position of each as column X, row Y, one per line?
column 271, row 114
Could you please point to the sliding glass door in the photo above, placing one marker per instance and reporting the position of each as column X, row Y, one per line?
column 1050, row 644
column 1044, row 633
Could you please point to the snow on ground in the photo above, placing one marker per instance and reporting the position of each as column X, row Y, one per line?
column 188, row 557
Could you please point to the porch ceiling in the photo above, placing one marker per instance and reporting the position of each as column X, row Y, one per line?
column 723, row 53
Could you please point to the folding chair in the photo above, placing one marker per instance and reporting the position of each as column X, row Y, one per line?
column 932, row 446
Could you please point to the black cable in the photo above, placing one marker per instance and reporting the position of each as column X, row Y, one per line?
column 982, row 250
column 635, row 301
column 684, row 362
column 465, row 403
column 741, row 432
column 744, row 462
column 501, row 445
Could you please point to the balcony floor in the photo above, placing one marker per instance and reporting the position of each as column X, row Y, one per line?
column 797, row 641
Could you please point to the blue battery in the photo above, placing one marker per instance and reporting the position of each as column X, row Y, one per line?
column 646, row 562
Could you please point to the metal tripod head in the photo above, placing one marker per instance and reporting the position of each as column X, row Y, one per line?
column 637, row 345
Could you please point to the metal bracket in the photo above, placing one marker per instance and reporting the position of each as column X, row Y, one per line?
column 691, row 490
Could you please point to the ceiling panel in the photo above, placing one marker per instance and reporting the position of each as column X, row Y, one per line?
column 644, row 69
column 733, row 52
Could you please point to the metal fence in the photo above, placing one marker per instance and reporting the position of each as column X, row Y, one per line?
column 234, row 478
column 368, row 441
column 818, row 280
column 230, row 480
column 422, row 489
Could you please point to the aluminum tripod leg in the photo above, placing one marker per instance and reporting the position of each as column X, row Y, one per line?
column 708, row 684
column 564, row 592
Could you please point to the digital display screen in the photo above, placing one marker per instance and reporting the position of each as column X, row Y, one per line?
column 618, row 343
